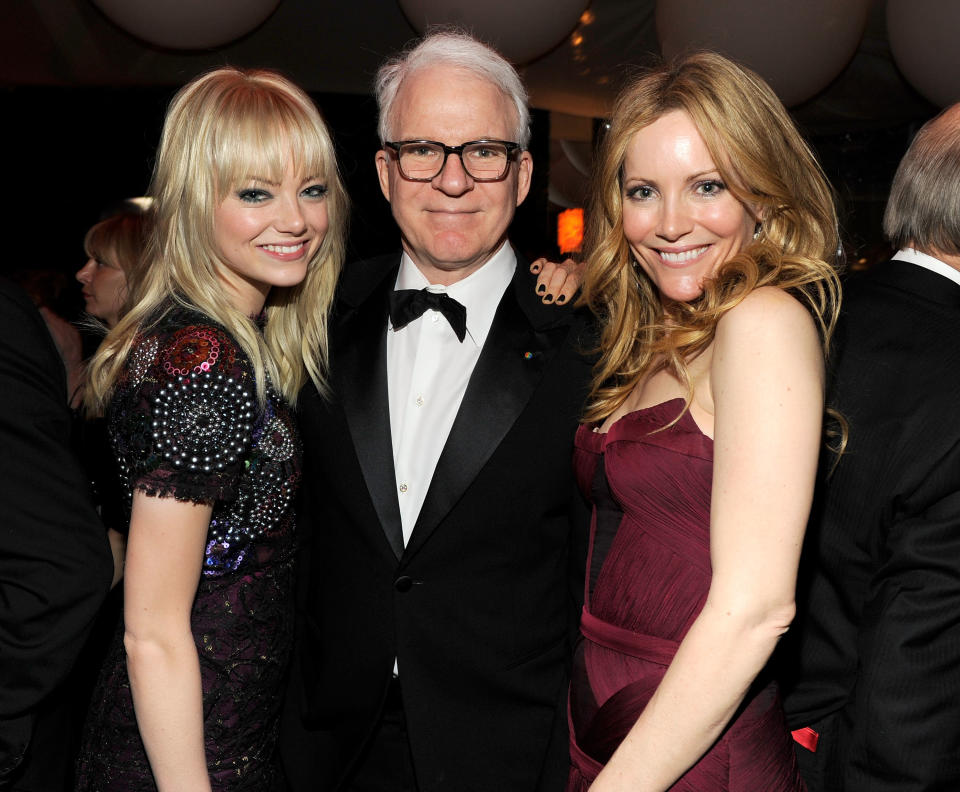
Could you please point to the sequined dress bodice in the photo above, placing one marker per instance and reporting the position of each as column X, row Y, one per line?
column 647, row 580
column 184, row 422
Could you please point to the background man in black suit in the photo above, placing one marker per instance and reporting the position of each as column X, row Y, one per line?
column 448, row 537
column 55, row 563
column 878, row 656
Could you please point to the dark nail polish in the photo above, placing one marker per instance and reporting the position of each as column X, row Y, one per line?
column 541, row 289
column 562, row 298
column 548, row 298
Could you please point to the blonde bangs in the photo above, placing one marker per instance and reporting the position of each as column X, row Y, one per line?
column 258, row 134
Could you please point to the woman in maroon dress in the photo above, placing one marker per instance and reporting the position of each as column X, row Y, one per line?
column 710, row 268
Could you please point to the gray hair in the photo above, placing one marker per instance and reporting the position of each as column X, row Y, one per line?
column 923, row 210
column 455, row 49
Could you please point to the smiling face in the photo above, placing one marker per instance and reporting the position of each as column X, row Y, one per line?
column 266, row 232
column 679, row 218
column 452, row 225
column 104, row 288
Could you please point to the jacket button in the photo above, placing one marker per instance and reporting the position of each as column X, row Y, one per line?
column 403, row 584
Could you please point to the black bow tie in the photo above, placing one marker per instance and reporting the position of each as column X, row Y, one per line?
column 409, row 304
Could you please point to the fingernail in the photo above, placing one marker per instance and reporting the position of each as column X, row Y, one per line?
column 541, row 288
column 561, row 298
column 548, row 298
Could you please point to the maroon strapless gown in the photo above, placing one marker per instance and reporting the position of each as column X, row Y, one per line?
column 648, row 572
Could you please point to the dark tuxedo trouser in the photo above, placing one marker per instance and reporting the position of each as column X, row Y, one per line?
column 816, row 767
column 387, row 762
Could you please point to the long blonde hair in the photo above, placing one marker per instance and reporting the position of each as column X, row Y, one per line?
column 766, row 165
column 220, row 128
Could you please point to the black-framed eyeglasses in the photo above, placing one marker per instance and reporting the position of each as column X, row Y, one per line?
column 483, row 160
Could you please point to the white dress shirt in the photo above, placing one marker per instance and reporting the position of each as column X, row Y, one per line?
column 928, row 262
column 428, row 369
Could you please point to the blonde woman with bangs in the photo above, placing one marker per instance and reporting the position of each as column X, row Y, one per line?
column 711, row 270
column 197, row 381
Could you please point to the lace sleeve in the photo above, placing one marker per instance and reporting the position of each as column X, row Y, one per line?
column 183, row 415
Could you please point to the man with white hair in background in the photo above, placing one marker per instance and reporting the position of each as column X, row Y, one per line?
column 874, row 656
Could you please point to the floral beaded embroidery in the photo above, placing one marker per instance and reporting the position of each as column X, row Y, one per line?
column 276, row 441
column 193, row 350
column 202, row 423
column 185, row 423
column 141, row 359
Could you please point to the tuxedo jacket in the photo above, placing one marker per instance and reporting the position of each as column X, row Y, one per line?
column 875, row 655
column 481, row 606
column 55, row 563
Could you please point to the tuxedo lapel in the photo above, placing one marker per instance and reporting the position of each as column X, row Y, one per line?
column 510, row 366
column 360, row 370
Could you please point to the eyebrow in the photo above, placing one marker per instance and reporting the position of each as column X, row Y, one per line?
column 259, row 180
column 691, row 178
column 701, row 174
column 271, row 183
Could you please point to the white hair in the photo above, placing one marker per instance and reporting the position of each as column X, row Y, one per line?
column 455, row 49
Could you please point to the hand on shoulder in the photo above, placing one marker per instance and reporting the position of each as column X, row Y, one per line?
column 557, row 282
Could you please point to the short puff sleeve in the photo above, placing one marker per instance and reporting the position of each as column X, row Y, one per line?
column 183, row 415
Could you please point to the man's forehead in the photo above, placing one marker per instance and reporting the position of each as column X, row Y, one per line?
column 452, row 101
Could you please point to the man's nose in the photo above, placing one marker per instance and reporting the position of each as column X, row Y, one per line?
column 453, row 178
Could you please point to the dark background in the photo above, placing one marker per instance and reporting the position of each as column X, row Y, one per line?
column 82, row 103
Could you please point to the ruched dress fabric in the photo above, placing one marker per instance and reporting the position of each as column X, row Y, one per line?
column 648, row 572
column 185, row 423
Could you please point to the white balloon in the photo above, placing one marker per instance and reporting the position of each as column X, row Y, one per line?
column 923, row 40
column 798, row 47
column 523, row 30
column 188, row 24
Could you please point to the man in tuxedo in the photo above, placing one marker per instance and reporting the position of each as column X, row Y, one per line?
column 876, row 694
column 55, row 563
column 447, row 538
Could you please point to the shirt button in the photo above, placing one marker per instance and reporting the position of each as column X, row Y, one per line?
column 419, row 401
column 403, row 488
column 434, row 317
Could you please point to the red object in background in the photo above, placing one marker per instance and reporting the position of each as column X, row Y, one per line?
column 570, row 230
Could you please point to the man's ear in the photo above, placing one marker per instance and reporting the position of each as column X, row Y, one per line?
column 382, row 160
column 524, row 175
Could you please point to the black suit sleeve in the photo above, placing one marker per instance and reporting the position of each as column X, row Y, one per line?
column 902, row 726
column 55, row 564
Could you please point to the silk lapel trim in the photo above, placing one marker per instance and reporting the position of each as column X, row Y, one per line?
column 360, row 370
column 508, row 371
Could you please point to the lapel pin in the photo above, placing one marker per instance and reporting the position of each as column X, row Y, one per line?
column 528, row 355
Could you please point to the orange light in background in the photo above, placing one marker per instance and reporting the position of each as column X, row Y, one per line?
column 570, row 230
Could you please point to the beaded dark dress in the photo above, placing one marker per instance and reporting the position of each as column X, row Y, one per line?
column 648, row 572
column 184, row 422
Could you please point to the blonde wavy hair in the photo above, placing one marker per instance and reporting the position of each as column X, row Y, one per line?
column 220, row 128
column 765, row 164
column 120, row 240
